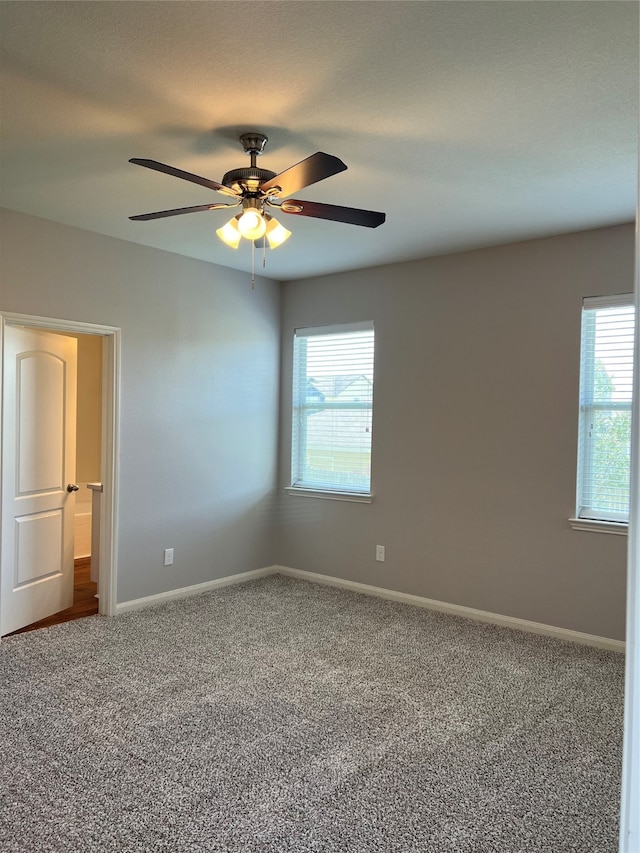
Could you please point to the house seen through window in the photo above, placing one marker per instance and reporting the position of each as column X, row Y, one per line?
column 606, row 383
column 332, row 408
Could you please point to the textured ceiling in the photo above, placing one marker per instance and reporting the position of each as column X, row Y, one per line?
column 468, row 123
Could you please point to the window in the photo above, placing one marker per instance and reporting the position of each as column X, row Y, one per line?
column 332, row 408
column 606, row 381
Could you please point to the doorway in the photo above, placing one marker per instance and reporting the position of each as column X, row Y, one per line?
column 97, row 446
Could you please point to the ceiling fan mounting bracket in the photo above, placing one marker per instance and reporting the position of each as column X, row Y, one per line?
column 253, row 143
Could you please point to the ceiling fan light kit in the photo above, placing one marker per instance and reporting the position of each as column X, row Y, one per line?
column 259, row 189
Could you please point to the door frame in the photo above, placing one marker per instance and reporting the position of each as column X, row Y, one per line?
column 107, row 579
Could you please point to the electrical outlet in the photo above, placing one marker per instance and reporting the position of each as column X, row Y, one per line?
column 168, row 556
column 380, row 553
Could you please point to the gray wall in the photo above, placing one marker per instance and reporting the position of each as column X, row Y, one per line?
column 199, row 411
column 475, row 430
column 475, row 417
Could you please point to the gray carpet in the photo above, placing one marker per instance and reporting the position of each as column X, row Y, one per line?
column 283, row 716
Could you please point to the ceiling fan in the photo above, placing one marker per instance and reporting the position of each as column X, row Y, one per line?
column 260, row 190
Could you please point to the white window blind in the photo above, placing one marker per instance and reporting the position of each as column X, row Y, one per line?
column 606, row 382
column 332, row 408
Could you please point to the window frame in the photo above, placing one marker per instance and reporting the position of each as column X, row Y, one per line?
column 301, row 408
column 589, row 517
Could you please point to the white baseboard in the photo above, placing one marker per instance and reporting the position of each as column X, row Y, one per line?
column 196, row 589
column 380, row 592
column 457, row 610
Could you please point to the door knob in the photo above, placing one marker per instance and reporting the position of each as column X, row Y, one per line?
column 72, row 487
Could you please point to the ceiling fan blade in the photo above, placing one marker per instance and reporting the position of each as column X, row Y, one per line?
column 143, row 217
column 315, row 168
column 350, row 215
column 186, row 176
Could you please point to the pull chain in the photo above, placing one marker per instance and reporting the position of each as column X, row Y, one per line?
column 253, row 277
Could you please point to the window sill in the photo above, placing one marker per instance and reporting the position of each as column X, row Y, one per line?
column 353, row 497
column 620, row 528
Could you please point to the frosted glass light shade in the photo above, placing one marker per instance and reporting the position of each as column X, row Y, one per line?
column 230, row 233
column 276, row 233
column 252, row 225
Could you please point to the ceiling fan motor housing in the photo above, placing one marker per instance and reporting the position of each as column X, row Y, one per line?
column 248, row 179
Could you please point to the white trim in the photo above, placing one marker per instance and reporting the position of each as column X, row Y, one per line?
column 108, row 565
column 591, row 302
column 630, row 789
column 335, row 329
column 195, row 589
column 325, row 494
column 458, row 610
column 107, row 582
column 380, row 592
column 620, row 528
column 61, row 325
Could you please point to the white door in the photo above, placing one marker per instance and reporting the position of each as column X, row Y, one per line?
column 38, row 463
